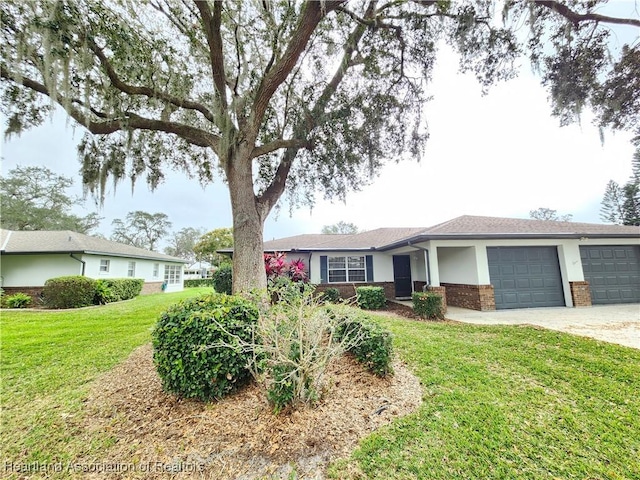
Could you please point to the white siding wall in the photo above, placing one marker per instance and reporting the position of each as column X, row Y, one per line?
column 382, row 264
column 458, row 265
column 34, row 270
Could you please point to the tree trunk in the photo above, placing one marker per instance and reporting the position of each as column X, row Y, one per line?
column 248, row 224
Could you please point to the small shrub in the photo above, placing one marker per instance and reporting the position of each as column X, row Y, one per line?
column 331, row 295
column 371, row 344
column 223, row 279
column 103, row 293
column 199, row 282
column 199, row 345
column 428, row 305
column 69, row 292
column 18, row 300
column 371, row 298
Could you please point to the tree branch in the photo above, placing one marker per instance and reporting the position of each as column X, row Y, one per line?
column 576, row 18
column 211, row 22
column 310, row 17
column 129, row 121
column 145, row 91
column 277, row 145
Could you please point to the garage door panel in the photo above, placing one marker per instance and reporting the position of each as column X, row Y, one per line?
column 613, row 273
column 525, row 276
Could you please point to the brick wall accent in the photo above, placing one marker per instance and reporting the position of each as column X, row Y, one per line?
column 151, row 287
column 348, row 290
column 419, row 286
column 33, row 292
column 475, row 297
column 580, row 294
column 442, row 291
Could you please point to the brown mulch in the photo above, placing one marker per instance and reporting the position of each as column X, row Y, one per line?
column 159, row 436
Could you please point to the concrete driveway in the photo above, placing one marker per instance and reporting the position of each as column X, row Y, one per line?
column 611, row 323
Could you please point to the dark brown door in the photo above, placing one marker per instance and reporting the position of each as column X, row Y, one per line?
column 402, row 275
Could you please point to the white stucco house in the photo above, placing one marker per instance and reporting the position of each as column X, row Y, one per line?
column 483, row 263
column 29, row 258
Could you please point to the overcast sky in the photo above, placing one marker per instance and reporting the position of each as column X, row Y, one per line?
column 498, row 155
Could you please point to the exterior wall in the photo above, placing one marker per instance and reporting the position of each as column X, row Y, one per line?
column 382, row 265
column 34, row 270
column 581, row 294
column 475, row 297
column 458, row 265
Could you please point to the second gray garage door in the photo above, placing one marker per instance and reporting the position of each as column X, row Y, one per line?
column 613, row 273
column 524, row 277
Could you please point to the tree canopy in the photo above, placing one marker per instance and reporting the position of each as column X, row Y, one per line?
column 207, row 246
column 621, row 204
column 340, row 227
column 282, row 96
column 141, row 229
column 36, row 198
column 550, row 214
column 182, row 243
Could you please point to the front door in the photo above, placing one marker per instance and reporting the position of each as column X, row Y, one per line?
column 402, row 275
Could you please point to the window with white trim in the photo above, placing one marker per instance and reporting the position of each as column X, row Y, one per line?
column 104, row 265
column 131, row 269
column 346, row 269
column 156, row 270
column 172, row 274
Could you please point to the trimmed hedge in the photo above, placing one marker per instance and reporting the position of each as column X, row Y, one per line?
column 223, row 279
column 72, row 291
column 371, row 298
column 428, row 305
column 196, row 352
column 198, row 282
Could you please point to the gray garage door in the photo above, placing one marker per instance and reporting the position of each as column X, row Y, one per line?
column 524, row 277
column 613, row 273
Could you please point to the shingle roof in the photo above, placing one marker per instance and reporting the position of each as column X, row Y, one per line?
column 466, row 226
column 358, row 241
column 469, row 224
column 67, row 241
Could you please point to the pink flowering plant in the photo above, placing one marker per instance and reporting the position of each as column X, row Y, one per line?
column 276, row 266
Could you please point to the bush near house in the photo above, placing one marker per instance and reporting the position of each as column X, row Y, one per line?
column 17, row 300
column 72, row 291
column 428, row 305
column 198, row 348
column 371, row 298
column 117, row 289
column 199, row 282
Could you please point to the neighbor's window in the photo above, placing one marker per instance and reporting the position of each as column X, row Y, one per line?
column 131, row 269
column 156, row 270
column 172, row 273
column 346, row 269
column 104, row 266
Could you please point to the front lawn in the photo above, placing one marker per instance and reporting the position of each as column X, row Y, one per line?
column 510, row 402
column 48, row 360
column 499, row 402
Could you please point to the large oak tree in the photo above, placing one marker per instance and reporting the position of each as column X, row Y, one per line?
column 285, row 96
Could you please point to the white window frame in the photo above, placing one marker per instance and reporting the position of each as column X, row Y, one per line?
column 105, row 265
column 353, row 266
column 131, row 269
column 172, row 274
column 156, row 270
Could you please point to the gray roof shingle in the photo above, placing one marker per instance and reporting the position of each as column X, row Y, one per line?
column 466, row 226
column 67, row 241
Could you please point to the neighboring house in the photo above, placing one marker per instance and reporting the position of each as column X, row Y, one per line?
column 198, row 270
column 29, row 258
column 483, row 263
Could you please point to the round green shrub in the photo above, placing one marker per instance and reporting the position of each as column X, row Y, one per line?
column 72, row 291
column 223, row 279
column 198, row 345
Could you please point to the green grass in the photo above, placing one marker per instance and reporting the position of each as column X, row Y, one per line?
column 509, row 402
column 48, row 360
column 499, row 402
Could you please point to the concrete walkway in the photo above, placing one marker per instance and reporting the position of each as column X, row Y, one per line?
column 611, row 323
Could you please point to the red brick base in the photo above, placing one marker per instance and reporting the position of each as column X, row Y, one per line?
column 474, row 297
column 151, row 287
column 580, row 294
column 33, row 292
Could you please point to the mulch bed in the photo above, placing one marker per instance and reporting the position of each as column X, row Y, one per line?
column 160, row 436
